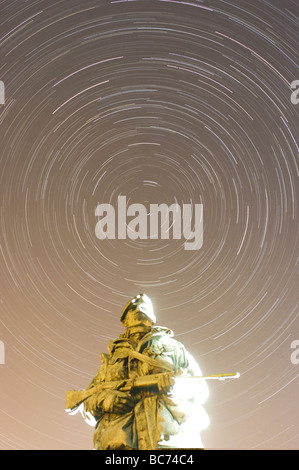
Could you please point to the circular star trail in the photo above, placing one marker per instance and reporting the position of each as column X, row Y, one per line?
column 161, row 102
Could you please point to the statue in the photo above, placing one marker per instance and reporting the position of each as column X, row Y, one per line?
column 141, row 397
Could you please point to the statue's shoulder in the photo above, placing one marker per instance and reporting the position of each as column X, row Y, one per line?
column 160, row 337
column 161, row 331
column 119, row 339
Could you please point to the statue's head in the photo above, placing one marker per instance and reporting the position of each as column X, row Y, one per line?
column 139, row 310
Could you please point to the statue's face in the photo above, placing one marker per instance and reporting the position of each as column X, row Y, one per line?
column 135, row 317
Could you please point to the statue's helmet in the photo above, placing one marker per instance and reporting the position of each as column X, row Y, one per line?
column 144, row 305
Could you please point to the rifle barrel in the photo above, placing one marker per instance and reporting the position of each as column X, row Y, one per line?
column 233, row 375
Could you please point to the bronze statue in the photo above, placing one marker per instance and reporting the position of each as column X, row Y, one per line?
column 140, row 398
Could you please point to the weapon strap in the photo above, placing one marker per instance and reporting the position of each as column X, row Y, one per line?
column 148, row 360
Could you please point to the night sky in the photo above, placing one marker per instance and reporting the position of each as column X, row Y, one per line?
column 161, row 102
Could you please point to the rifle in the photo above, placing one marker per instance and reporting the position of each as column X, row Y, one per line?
column 74, row 398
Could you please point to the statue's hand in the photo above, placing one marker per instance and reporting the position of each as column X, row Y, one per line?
column 165, row 381
column 117, row 402
column 93, row 403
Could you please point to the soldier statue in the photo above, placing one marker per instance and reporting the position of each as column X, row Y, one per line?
column 141, row 397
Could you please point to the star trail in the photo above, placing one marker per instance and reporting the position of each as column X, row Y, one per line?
column 160, row 101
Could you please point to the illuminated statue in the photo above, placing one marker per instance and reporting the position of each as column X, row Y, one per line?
column 141, row 397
